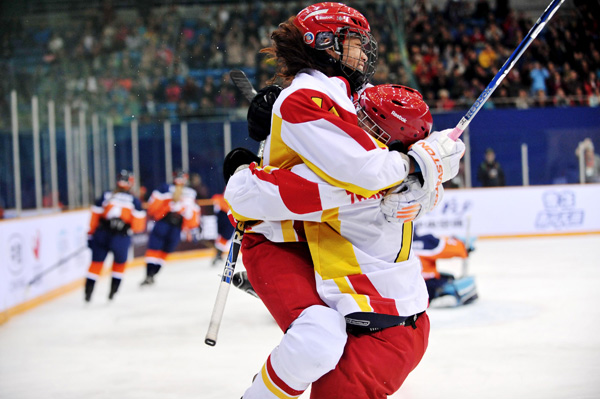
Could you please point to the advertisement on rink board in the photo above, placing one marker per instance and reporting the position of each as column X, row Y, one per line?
column 32, row 246
column 54, row 247
column 515, row 211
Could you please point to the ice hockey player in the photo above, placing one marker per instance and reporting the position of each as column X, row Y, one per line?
column 361, row 272
column 444, row 289
column 116, row 215
column 174, row 209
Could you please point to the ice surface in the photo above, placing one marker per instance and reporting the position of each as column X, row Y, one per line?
column 534, row 333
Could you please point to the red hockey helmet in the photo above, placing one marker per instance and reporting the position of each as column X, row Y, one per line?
column 394, row 113
column 125, row 179
column 327, row 25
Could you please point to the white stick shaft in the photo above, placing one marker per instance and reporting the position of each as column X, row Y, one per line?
column 465, row 263
column 217, row 314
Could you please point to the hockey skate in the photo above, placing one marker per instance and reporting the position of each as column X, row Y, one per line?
column 114, row 287
column 149, row 280
column 218, row 258
column 240, row 280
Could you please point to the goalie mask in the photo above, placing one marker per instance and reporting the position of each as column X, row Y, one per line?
column 344, row 30
column 125, row 180
column 394, row 113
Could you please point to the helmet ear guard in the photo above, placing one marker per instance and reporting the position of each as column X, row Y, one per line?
column 326, row 40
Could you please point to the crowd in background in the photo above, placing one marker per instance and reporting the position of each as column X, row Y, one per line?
column 173, row 62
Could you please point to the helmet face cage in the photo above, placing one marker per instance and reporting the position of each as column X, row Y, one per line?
column 369, row 125
column 358, row 58
column 394, row 113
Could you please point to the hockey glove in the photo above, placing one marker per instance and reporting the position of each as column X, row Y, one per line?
column 410, row 202
column 236, row 158
column 438, row 157
column 259, row 113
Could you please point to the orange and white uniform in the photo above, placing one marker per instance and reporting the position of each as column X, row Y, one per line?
column 175, row 210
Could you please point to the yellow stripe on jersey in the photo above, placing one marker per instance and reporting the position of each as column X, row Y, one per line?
column 407, row 235
column 348, row 186
column 330, row 215
column 237, row 216
column 333, row 256
column 280, row 155
column 361, row 300
column 318, row 101
column 334, row 111
column 287, row 229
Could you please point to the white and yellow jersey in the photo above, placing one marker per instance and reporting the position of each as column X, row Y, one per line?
column 314, row 122
column 364, row 266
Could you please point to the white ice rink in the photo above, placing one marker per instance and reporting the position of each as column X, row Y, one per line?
column 534, row 333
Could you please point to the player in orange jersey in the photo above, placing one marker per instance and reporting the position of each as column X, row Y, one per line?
column 116, row 215
column 174, row 208
column 430, row 248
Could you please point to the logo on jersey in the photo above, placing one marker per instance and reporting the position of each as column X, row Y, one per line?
column 309, row 38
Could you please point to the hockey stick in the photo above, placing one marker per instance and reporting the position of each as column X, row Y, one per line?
column 465, row 262
column 240, row 80
column 508, row 65
column 58, row 264
column 222, row 293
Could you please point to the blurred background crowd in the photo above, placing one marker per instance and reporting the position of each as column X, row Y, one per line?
column 127, row 59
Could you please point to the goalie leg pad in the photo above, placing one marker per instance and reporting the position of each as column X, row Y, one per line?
column 463, row 289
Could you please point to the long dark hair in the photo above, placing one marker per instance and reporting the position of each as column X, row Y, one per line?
column 292, row 55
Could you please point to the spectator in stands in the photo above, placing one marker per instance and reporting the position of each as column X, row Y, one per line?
column 522, row 102
column 490, row 172
column 594, row 98
column 541, row 99
column 591, row 161
column 538, row 76
column 163, row 43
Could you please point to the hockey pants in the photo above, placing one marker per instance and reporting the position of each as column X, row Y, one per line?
column 283, row 276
